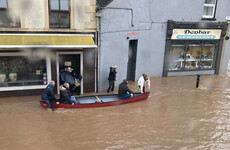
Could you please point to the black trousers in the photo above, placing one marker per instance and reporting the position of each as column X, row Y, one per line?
column 111, row 85
column 143, row 88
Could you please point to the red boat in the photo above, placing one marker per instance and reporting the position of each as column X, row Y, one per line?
column 100, row 101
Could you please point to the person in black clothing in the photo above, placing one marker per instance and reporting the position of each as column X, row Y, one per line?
column 112, row 78
column 65, row 94
column 77, row 78
column 123, row 91
column 48, row 95
column 66, row 76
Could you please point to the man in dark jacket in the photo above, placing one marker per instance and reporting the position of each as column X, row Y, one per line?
column 123, row 91
column 112, row 78
column 65, row 94
column 48, row 95
column 66, row 76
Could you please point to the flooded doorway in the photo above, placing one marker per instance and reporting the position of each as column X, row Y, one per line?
column 73, row 60
column 132, row 57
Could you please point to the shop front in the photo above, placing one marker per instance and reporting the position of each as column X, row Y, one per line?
column 193, row 48
column 28, row 62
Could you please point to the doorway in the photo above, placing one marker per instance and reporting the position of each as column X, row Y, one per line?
column 74, row 61
column 132, row 57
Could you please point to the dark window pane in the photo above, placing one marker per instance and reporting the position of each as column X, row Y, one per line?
column 64, row 5
column 54, row 19
column 64, row 20
column 3, row 4
column 3, row 19
column 54, row 4
column 208, row 11
column 210, row 1
column 22, row 71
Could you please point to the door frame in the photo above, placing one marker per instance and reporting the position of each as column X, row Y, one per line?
column 57, row 68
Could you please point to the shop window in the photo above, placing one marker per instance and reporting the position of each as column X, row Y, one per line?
column 207, row 58
column 59, row 14
column 192, row 59
column 7, row 19
column 176, row 57
column 22, row 71
column 191, row 56
column 209, row 9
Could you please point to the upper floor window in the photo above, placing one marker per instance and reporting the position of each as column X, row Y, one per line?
column 59, row 14
column 7, row 19
column 209, row 9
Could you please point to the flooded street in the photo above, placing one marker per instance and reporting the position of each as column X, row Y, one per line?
column 175, row 116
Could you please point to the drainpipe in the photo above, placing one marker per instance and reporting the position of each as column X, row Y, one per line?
column 224, row 48
column 98, row 16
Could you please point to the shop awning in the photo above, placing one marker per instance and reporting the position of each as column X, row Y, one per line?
column 47, row 41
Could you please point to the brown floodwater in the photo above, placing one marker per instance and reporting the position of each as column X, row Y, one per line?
column 176, row 115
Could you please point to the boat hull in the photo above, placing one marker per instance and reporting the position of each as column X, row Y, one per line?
column 95, row 103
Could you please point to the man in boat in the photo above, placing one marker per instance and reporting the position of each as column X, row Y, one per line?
column 65, row 95
column 143, row 80
column 123, row 91
column 48, row 95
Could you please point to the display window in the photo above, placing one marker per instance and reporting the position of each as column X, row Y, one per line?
column 176, row 57
column 18, row 71
column 192, row 56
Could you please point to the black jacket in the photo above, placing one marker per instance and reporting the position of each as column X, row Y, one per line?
column 65, row 95
column 48, row 93
column 67, row 77
column 112, row 74
column 123, row 89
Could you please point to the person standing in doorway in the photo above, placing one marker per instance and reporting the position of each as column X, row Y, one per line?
column 66, row 76
column 112, row 78
column 144, row 79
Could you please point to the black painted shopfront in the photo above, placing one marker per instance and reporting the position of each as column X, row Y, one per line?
column 193, row 48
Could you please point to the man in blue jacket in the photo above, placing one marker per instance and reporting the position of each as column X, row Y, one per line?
column 48, row 95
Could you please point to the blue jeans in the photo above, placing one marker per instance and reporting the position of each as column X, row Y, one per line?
column 73, row 99
column 126, row 96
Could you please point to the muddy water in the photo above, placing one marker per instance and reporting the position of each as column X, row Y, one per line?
column 175, row 116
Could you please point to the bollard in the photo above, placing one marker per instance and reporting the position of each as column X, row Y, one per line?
column 197, row 80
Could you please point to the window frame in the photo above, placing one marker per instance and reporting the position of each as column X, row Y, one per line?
column 59, row 12
column 213, row 11
column 7, row 9
column 31, row 87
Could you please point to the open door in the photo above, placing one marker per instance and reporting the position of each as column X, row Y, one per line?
column 131, row 70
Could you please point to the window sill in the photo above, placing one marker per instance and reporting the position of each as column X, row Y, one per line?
column 23, row 88
column 211, row 19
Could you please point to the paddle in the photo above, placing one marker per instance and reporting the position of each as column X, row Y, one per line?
column 78, row 100
column 98, row 99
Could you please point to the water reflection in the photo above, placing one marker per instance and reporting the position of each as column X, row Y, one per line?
column 175, row 116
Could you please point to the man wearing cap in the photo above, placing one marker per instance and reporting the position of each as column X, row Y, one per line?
column 66, row 76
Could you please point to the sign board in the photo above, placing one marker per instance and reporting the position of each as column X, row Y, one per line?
column 68, row 63
column 196, row 34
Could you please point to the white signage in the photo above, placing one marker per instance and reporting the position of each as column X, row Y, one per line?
column 197, row 34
